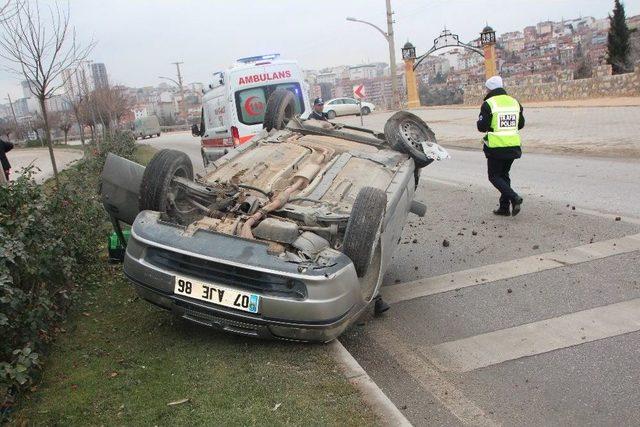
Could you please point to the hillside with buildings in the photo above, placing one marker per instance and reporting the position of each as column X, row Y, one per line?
column 549, row 51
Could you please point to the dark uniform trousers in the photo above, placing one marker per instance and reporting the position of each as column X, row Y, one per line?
column 498, row 170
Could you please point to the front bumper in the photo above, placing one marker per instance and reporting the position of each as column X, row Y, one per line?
column 297, row 302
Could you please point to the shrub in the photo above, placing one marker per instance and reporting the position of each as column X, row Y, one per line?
column 50, row 241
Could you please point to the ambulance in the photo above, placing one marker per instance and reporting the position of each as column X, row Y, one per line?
column 233, row 106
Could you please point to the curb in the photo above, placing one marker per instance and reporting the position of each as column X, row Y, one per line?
column 388, row 412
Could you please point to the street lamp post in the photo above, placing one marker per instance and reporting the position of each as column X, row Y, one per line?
column 182, row 103
column 388, row 35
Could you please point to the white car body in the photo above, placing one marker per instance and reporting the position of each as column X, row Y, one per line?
column 346, row 107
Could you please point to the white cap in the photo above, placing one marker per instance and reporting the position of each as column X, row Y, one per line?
column 494, row 83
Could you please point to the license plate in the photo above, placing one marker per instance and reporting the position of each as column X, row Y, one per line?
column 216, row 294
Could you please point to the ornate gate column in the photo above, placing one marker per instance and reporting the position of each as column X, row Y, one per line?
column 488, row 41
column 409, row 57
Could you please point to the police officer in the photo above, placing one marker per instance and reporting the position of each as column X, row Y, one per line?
column 317, row 113
column 501, row 118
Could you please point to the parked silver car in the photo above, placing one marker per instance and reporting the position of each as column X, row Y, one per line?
column 287, row 236
column 347, row 106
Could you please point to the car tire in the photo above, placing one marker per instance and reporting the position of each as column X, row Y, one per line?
column 361, row 238
column 331, row 114
column 404, row 131
column 365, row 111
column 158, row 134
column 281, row 107
column 157, row 179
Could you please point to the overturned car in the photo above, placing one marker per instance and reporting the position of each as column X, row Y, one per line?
column 287, row 236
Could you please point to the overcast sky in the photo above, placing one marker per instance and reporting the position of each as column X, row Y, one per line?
column 138, row 39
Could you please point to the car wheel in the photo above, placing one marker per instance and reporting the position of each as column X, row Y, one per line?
column 281, row 107
column 362, row 236
column 405, row 132
column 158, row 134
column 158, row 192
column 365, row 110
column 331, row 114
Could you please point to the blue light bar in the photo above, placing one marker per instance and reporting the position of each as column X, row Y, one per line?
column 251, row 59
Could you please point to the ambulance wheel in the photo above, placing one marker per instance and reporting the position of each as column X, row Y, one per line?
column 281, row 107
column 158, row 192
column 405, row 132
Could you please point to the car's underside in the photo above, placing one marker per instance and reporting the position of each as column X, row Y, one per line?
column 293, row 189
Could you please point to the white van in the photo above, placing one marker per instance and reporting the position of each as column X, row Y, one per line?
column 233, row 107
column 146, row 127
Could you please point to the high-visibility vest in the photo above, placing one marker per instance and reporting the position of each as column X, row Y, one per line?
column 505, row 115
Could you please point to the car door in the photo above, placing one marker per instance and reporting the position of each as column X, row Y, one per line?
column 335, row 106
column 351, row 106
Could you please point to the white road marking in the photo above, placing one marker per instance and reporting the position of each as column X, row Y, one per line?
column 431, row 380
column 536, row 338
column 509, row 269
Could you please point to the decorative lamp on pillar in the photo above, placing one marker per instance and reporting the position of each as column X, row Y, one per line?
column 488, row 42
column 409, row 58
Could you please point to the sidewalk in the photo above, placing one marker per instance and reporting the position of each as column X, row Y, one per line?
column 39, row 157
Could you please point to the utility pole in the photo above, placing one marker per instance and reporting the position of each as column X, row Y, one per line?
column 388, row 35
column 392, row 55
column 183, row 111
column 15, row 119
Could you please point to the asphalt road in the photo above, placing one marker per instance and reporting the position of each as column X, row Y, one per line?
column 527, row 320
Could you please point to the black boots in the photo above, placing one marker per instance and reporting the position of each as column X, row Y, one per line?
column 502, row 212
column 380, row 306
column 515, row 210
column 517, row 203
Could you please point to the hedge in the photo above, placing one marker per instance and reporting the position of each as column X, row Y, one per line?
column 51, row 240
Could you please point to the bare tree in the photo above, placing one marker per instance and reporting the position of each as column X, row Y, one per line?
column 40, row 48
column 36, row 123
column 64, row 124
column 77, row 98
column 110, row 106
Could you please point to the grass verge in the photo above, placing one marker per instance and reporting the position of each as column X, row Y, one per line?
column 120, row 361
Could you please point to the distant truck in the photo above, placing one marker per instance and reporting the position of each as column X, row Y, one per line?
column 146, row 127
